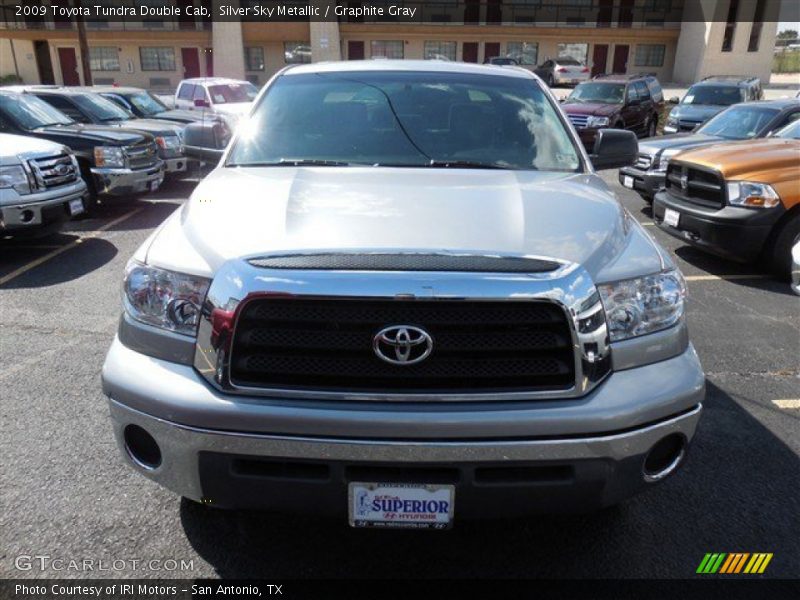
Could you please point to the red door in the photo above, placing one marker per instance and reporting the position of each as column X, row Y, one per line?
column 191, row 62
column 69, row 66
column 620, row 59
column 491, row 50
column 469, row 52
column 355, row 50
column 599, row 59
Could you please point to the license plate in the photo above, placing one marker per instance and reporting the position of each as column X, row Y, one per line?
column 627, row 181
column 672, row 217
column 75, row 206
column 576, row 81
column 154, row 185
column 401, row 505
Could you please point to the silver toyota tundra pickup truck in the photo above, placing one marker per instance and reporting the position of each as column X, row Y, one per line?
column 404, row 298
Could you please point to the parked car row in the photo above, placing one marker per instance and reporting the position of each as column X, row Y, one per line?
column 66, row 149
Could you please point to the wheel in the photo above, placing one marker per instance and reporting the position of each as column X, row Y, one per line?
column 90, row 201
column 780, row 256
column 652, row 127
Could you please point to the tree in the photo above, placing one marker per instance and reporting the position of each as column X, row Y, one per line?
column 787, row 34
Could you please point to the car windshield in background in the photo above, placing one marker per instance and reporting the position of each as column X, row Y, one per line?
column 605, row 93
column 719, row 95
column 29, row 112
column 406, row 119
column 791, row 131
column 739, row 122
column 233, row 92
column 568, row 62
column 102, row 108
column 146, row 103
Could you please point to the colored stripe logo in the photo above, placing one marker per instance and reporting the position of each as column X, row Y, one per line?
column 734, row 563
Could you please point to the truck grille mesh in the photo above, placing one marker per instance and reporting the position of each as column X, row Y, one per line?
column 322, row 344
column 53, row 171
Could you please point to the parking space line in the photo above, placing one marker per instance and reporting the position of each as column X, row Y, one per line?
column 731, row 277
column 43, row 259
column 787, row 404
column 647, row 224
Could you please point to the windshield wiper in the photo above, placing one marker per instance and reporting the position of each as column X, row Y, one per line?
column 463, row 164
column 299, row 162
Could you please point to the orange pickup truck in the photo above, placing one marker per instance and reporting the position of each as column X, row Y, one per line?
column 739, row 200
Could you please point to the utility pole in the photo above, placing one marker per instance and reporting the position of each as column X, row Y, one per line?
column 83, row 44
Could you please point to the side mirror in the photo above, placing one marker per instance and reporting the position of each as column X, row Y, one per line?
column 674, row 100
column 205, row 141
column 614, row 148
column 201, row 103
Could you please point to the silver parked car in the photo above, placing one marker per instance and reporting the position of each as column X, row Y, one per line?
column 404, row 317
column 563, row 71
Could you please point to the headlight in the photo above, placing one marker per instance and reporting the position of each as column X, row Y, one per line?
column 109, row 156
column 15, row 177
column 644, row 305
column 164, row 299
column 664, row 158
column 169, row 142
column 597, row 121
column 752, row 195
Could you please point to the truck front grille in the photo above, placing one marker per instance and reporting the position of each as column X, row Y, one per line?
column 692, row 184
column 327, row 344
column 53, row 171
column 142, row 156
column 579, row 121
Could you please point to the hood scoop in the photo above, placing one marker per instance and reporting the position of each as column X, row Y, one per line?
column 408, row 261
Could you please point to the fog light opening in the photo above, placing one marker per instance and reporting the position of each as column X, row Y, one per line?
column 664, row 457
column 26, row 216
column 142, row 448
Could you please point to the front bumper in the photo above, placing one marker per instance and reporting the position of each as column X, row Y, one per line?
column 590, row 450
column 646, row 183
column 731, row 232
column 121, row 182
column 177, row 165
column 42, row 209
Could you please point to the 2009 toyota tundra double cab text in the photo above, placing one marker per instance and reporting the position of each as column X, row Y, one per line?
column 405, row 298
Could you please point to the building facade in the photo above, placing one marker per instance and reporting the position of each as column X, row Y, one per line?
column 679, row 40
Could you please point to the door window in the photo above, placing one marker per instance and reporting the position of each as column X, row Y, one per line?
column 186, row 92
column 642, row 91
column 631, row 94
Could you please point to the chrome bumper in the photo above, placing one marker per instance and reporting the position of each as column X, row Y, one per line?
column 177, row 165
column 120, row 182
column 28, row 213
column 181, row 447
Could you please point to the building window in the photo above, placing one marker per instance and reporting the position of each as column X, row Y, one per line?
column 254, row 58
column 755, row 30
column 440, row 50
column 525, row 53
column 579, row 52
column 296, row 52
column 650, row 55
column 103, row 58
column 730, row 26
column 157, row 59
column 386, row 48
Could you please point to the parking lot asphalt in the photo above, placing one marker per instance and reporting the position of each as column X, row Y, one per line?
column 67, row 494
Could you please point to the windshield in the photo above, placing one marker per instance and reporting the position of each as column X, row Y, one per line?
column 146, row 103
column 406, row 119
column 791, row 131
column 718, row 95
column 605, row 93
column 739, row 122
column 569, row 62
column 232, row 92
column 29, row 112
column 101, row 108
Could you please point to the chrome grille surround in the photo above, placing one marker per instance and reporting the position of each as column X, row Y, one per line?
column 141, row 156
column 579, row 121
column 569, row 287
column 51, row 170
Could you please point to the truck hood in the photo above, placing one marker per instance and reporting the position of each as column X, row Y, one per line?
column 753, row 160
column 590, row 108
column 696, row 112
column 179, row 116
column 20, row 144
column 654, row 146
column 151, row 126
column 234, row 109
column 238, row 212
column 103, row 134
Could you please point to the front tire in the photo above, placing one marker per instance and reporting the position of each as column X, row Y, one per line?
column 652, row 127
column 780, row 255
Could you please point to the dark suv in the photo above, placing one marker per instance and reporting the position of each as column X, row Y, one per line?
column 632, row 102
column 710, row 96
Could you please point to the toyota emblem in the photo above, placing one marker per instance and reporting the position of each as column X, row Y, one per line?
column 402, row 344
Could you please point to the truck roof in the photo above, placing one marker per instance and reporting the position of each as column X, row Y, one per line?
column 387, row 64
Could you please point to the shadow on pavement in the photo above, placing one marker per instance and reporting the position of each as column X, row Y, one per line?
column 736, row 493
column 714, row 265
column 89, row 255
